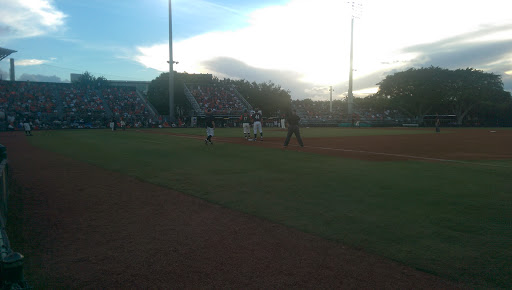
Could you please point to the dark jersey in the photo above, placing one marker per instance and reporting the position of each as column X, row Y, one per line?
column 245, row 118
column 256, row 117
column 293, row 120
column 209, row 120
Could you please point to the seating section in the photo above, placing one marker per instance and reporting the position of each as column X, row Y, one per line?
column 61, row 105
column 318, row 112
column 82, row 104
column 126, row 105
column 25, row 100
column 222, row 100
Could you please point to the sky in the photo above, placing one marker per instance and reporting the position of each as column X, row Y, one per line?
column 301, row 45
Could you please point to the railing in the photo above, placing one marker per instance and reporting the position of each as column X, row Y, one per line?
column 193, row 101
column 148, row 104
column 11, row 267
column 108, row 110
column 246, row 103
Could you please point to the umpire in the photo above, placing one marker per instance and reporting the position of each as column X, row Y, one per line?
column 293, row 128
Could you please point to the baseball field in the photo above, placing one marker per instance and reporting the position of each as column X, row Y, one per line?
column 354, row 208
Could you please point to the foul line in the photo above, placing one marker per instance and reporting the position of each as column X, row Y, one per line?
column 412, row 157
column 354, row 151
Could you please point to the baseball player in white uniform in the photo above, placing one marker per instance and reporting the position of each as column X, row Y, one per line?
column 257, row 118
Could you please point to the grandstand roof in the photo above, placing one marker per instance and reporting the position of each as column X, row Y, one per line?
column 4, row 52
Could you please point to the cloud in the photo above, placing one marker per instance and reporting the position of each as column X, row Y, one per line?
column 4, row 75
column 29, row 18
column 304, row 45
column 154, row 57
column 477, row 49
column 29, row 62
column 40, row 78
column 271, row 42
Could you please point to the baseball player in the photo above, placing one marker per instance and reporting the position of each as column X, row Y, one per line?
column 256, row 119
column 210, row 127
column 246, row 120
column 26, row 126
column 293, row 128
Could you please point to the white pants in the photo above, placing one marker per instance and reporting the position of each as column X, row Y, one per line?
column 257, row 126
column 209, row 131
column 247, row 128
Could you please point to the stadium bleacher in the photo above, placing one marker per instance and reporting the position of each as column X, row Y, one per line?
column 64, row 105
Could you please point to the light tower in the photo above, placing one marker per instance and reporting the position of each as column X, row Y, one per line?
column 171, row 70
column 330, row 104
column 356, row 11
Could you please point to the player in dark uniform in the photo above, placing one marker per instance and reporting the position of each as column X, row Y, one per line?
column 293, row 128
column 256, row 125
column 246, row 120
column 210, row 127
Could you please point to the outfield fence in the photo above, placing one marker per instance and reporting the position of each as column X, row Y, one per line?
column 11, row 266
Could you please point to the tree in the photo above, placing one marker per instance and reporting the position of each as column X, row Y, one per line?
column 372, row 103
column 468, row 88
column 158, row 91
column 267, row 96
column 102, row 82
column 418, row 92
column 87, row 80
column 415, row 92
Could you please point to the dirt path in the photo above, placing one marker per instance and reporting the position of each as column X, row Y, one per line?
column 86, row 227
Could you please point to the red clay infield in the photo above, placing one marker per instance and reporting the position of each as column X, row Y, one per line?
column 86, row 227
column 453, row 144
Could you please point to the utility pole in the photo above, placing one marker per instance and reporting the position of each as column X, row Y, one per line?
column 171, row 70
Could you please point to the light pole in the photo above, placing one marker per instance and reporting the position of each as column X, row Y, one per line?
column 350, row 75
column 356, row 7
column 330, row 91
column 171, row 70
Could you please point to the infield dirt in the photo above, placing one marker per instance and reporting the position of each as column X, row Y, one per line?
column 456, row 144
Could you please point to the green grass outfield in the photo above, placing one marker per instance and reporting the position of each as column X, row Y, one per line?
column 450, row 219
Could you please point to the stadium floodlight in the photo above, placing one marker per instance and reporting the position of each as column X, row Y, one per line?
column 4, row 52
column 356, row 12
column 330, row 103
column 171, row 70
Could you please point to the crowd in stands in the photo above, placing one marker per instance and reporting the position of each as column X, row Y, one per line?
column 64, row 105
column 221, row 100
column 24, row 100
column 82, row 106
column 318, row 111
column 312, row 112
column 126, row 105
